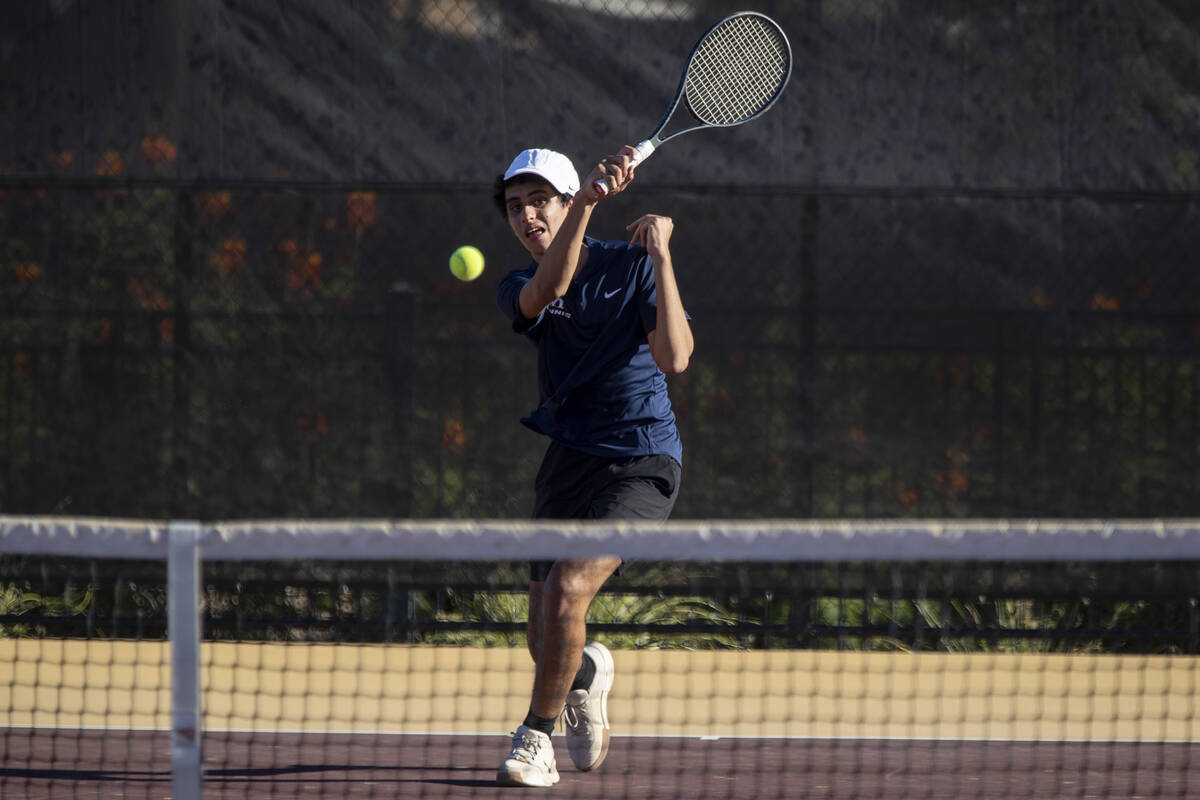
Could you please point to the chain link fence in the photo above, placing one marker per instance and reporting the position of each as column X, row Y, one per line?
column 951, row 273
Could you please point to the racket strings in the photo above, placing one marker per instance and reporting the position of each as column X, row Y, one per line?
column 737, row 71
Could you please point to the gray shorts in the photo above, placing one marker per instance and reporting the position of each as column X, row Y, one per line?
column 574, row 485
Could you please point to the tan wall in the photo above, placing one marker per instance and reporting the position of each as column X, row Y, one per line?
column 398, row 688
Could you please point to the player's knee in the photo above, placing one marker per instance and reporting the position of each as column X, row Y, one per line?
column 567, row 591
column 568, row 595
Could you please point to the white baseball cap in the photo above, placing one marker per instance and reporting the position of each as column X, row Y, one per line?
column 555, row 168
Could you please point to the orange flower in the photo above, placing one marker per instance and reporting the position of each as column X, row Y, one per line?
column 140, row 291
column 360, row 210
column 1039, row 300
column 62, row 159
column 215, row 204
column 954, row 481
column 111, row 164
column 28, row 273
column 305, row 277
column 159, row 149
column 957, row 455
column 310, row 423
column 230, row 257
column 1104, row 302
column 908, row 498
column 454, row 435
column 1142, row 289
column 304, row 271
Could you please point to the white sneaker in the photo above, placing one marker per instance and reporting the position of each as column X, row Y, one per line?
column 531, row 762
column 586, row 713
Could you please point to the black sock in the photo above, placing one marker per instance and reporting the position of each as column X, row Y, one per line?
column 587, row 671
column 543, row 724
column 583, row 679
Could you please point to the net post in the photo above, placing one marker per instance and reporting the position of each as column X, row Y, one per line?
column 183, row 625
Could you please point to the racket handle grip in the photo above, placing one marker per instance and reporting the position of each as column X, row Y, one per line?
column 643, row 148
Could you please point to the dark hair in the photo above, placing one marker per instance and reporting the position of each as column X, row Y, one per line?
column 501, row 185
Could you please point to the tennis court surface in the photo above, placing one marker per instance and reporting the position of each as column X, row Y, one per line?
column 442, row 766
column 754, row 659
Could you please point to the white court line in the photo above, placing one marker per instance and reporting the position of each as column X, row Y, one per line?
column 711, row 738
column 702, row 738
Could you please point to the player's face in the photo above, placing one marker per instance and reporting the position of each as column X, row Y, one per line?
column 535, row 212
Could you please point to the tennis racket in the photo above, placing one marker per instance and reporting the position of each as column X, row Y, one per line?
column 735, row 72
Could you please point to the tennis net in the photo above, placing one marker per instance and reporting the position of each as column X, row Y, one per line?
column 754, row 659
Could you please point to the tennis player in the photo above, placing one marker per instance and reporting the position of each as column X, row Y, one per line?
column 608, row 324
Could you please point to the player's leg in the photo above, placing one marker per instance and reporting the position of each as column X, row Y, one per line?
column 574, row 485
column 531, row 760
column 562, row 605
column 639, row 489
column 556, row 635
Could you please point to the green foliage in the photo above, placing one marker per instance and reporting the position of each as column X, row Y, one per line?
column 643, row 614
column 969, row 607
column 16, row 602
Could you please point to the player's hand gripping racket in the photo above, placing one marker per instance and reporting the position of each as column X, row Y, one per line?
column 735, row 73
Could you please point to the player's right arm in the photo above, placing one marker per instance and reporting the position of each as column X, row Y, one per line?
column 557, row 266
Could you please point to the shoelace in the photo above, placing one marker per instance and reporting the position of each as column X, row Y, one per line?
column 526, row 747
column 575, row 716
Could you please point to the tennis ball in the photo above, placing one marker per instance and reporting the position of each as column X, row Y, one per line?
column 466, row 263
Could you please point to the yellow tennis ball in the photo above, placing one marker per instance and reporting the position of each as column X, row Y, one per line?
column 466, row 263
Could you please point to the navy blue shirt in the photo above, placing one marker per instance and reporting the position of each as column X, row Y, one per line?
column 600, row 390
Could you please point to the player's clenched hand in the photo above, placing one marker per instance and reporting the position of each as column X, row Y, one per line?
column 616, row 171
column 652, row 232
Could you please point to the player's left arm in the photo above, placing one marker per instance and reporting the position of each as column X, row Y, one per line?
column 671, row 342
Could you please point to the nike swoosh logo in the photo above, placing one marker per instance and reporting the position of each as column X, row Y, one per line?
column 608, row 295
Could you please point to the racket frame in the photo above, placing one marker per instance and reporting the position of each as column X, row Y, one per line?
column 652, row 142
